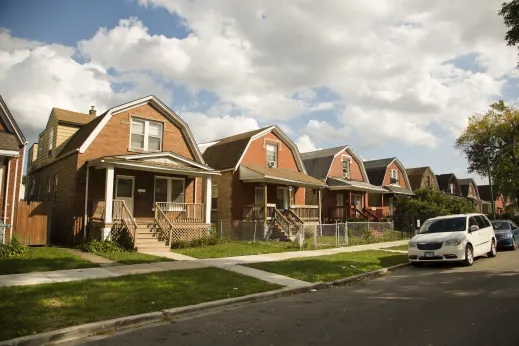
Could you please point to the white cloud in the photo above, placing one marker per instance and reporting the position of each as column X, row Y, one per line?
column 206, row 129
column 322, row 131
column 305, row 144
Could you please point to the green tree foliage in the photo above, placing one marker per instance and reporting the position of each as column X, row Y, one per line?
column 510, row 13
column 429, row 203
column 494, row 134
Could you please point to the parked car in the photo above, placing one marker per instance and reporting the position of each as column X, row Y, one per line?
column 453, row 238
column 507, row 233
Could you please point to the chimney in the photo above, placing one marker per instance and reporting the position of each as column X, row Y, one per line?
column 92, row 111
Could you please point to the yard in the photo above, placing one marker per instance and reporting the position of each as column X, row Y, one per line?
column 131, row 257
column 42, row 259
column 40, row 308
column 237, row 248
column 332, row 267
column 400, row 247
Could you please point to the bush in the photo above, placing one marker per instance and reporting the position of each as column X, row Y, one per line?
column 101, row 246
column 14, row 248
column 207, row 241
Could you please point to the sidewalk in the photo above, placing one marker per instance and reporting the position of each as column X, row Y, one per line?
column 183, row 262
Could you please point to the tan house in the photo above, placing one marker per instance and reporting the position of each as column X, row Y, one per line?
column 390, row 174
column 12, row 149
column 135, row 168
column 421, row 177
column 263, row 178
column 348, row 186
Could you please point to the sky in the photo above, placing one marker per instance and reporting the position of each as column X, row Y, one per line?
column 390, row 78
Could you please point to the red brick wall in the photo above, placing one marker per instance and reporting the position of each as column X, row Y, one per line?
column 401, row 179
column 257, row 153
column 336, row 167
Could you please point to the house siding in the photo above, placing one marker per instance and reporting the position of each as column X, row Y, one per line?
column 430, row 174
column 257, row 152
column 387, row 176
column 336, row 167
column 11, row 189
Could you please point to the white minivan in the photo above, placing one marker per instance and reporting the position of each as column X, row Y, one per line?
column 453, row 238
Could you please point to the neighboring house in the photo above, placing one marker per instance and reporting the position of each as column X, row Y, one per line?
column 422, row 177
column 390, row 174
column 449, row 184
column 135, row 167
column 469, row 189
column 12, row 149
column 263, row 178
column 348, row 186
column 484, row 194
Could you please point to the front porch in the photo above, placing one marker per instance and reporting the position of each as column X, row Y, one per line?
column 156, row 201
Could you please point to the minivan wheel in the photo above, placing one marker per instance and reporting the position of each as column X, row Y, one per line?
column 469, row 256
column 493, row 251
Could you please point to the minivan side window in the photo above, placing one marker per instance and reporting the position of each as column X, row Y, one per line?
column 485, row 220
column 472, row 221
column 480, row 221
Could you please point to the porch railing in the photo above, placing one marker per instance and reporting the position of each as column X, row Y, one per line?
column 165, row 225
column 282, row 222
column 256, row 212
column 306, row 212
column 121, row 213
column 183, row 212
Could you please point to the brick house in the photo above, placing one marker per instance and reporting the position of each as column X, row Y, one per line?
column 500, row 203
column 469, row 189
column 449, row 184
column 12, row 149
column 348, row 186
column 422, row 177
column 136, row 167
column 263, row 178
column 391, row 175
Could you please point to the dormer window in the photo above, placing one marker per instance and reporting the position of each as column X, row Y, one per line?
column 428, row 181
column 146, row 135
column 345, row 168
column 451, row 188
column 394, row 177
column 51, row 140
column 272, row 155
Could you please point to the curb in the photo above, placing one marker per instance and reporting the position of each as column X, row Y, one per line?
column 85, row 330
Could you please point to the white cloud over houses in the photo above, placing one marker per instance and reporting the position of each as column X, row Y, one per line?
column 206, row 129
column 305, row 144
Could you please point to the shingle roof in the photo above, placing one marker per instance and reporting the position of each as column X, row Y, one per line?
column 415, row 176
column 226, row 153
column 284, row 174
column 381, row 163
column 399, row 190
column 376, row 170
column 443, row 181
column 353, row 185
column 81, row 135
column 317, row 163
column 63, row 115
column 484, row 192
column 8, row 141
column 416, row 171
column 8, row 114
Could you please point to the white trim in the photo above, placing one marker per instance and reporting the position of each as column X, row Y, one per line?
column 208, row 192
column 355, row 158
column 109, row 195
column 85, row 220
column 146, row 134
column 14, row 198
column 194, row 190
column 158, row 168
column 2, row 161
column 9, row 153
column 7, row 189
column 11, row 122
column 165, row 154
column 158, row 104
column 26, row 175
column 402, row 169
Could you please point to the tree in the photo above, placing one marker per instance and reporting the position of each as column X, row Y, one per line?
column 510, row 13
column 491, row 145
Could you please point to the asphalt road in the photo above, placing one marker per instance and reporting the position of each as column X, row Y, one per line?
column 433, row 305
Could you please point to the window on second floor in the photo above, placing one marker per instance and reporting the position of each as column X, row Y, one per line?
column 394, row 177
column 428, row 181
column 451, row 188
column 272, row 155
column 51, row 140
column 345, row 168
column 146, row 135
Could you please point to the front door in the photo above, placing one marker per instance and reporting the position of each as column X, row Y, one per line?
column 357, row 201
column 282, row 199
column 124, row 186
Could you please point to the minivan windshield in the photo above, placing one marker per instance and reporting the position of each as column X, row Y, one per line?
column 453, row 224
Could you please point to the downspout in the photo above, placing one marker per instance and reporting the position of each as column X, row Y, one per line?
column 7, row 190
column 14, row 198
column 85, row 218
column 23, row 165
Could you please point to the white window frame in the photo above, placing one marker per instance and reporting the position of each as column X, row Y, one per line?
column 214, row 195
column 394, row 174
column 146, row 134
column 451, row 188
column 51, row 140
column 346, row 159
column 276, row 153
column 168, row 196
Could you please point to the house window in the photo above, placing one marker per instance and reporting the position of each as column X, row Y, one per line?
column 169, row 190
column 451, row 188
column 339, row 200
column 394, row 177
column 258, row 195
column 51, row 140
column 146, row 135
column 428, row 181
column 272, row 155
column 346, row 168
column 214, row 197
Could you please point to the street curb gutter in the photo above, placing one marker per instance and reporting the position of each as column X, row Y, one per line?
column 85, row 330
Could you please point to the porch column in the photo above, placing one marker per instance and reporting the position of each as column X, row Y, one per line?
column 319, row 204
column 349, row 207
column 208, row 190
column 265, row 209
column 109, row 199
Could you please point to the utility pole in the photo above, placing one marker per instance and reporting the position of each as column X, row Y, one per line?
column 492, row 200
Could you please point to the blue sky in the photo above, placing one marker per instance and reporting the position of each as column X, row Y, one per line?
column 389, row 78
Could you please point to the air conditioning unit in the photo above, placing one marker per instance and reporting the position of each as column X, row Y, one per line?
column 271, row 164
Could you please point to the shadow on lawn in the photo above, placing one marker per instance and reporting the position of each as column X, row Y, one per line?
column 19, row 265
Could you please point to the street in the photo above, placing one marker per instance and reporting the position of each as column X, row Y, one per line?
column 433, row 305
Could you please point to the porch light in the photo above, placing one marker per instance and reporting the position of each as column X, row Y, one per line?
column 290, row 188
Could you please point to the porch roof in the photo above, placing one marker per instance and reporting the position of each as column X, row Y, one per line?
column 9, row 143
column 165, row 162
column 336, row 183
column 399, row 190
column 249, row 173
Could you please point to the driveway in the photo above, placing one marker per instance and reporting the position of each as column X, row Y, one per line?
column 433, row 305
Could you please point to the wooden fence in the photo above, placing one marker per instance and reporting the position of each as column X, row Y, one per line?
column 32, row 222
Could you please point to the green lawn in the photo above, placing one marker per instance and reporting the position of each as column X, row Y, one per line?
column 35, row 309
column 42, row 259
column 400, row 247
column 131, row 257
column 236, row 248
column 333, row 267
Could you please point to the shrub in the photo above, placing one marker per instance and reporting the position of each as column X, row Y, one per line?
column 212, row 239
column 14, row 248
column 101, row 246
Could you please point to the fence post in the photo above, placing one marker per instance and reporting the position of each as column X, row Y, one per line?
column 315, row 235
column 369, row 232
column 255, row 223
column 346, row 235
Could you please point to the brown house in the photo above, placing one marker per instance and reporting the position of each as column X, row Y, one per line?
column 136, row 167
column 449, row 184
column 391, row 175
column 262, row 178
column 348, row 187
column 469, row 189
column 500, row 203
column 422, row 177
column 12, row 149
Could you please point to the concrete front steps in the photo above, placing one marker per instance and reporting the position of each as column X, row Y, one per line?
column 146, row 239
